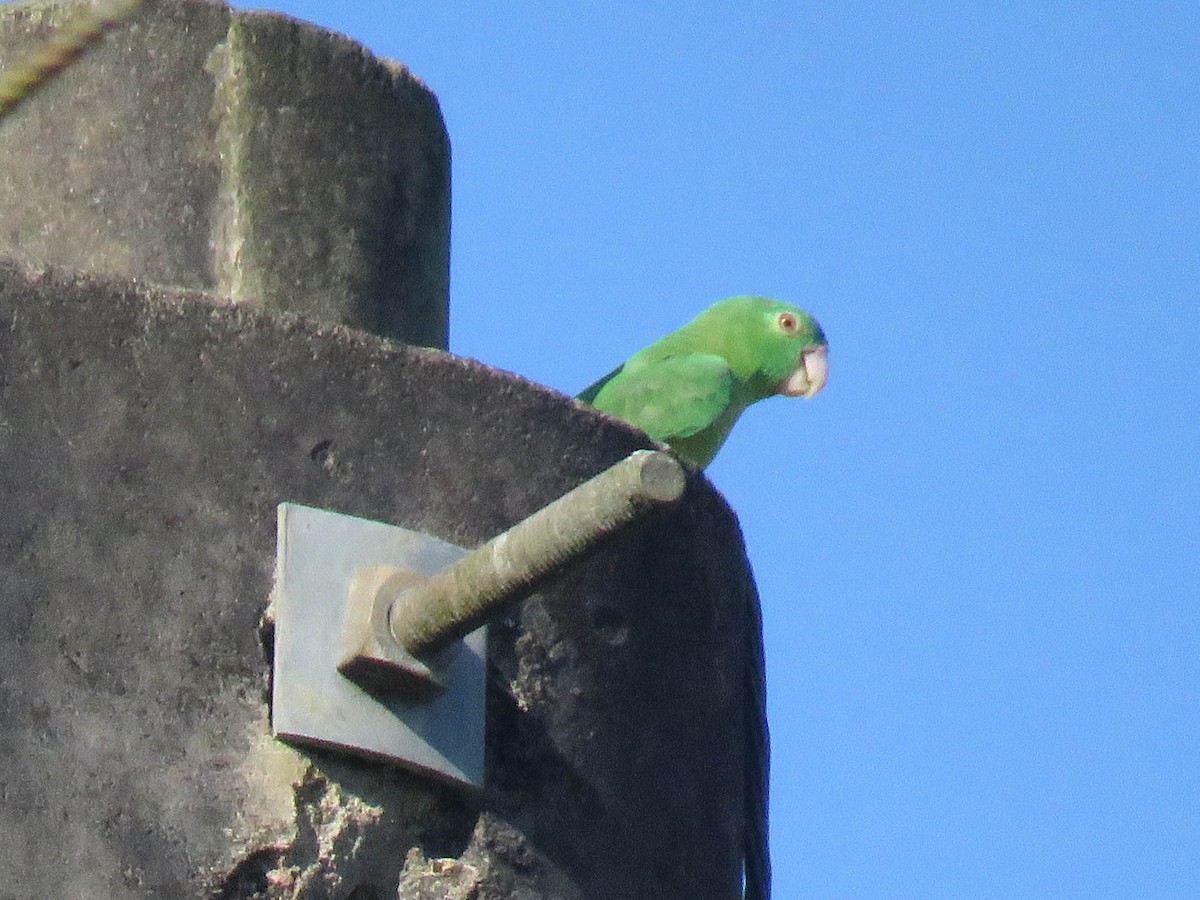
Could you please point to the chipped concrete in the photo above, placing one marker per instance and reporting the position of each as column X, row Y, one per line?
column 147, row 437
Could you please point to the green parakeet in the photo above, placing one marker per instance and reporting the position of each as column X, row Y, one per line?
column 688, row 388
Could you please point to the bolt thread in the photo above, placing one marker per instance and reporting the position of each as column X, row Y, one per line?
column 459, row 599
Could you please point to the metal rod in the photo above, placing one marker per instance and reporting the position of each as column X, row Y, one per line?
column 459, row 599
column 61, row 49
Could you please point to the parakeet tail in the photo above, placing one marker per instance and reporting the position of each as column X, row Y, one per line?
column 756, row 849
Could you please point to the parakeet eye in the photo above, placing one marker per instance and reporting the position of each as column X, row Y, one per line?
column 787, row 322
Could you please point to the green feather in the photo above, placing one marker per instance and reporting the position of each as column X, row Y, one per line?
column 688, row 388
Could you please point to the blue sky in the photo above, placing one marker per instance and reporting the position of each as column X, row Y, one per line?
column 978, row 548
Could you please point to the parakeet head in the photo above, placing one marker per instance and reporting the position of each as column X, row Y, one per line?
column 776, row 346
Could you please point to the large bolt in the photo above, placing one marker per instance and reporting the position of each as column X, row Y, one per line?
column 451, row 604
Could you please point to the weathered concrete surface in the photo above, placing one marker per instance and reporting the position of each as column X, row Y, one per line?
column 147, row 437
column 250, row 154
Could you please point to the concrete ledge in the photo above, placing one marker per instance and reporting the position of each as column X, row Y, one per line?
column 147, row 437
column 250, row 154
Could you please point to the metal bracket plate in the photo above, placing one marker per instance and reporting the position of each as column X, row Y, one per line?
column 318, row 554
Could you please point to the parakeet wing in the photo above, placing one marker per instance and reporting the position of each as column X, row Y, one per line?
column 668, row 398
column 588, row 395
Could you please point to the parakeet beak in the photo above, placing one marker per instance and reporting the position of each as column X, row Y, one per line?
column 810, row 375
